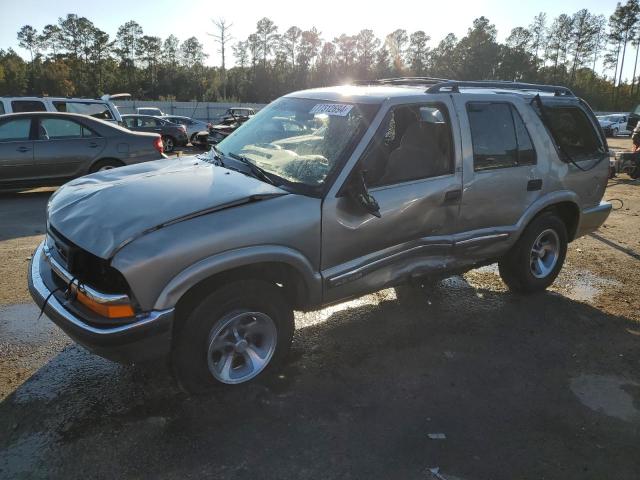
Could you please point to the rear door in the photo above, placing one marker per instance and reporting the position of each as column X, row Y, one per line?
column 65, row 148
column 501, row 175
column 16, row 150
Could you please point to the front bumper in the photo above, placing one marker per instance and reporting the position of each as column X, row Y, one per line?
column 592, row 218
column 148, row 336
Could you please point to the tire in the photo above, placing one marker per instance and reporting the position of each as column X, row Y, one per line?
column 209, row 353
column 168, row 143
column 103, row 165
column 521, row 268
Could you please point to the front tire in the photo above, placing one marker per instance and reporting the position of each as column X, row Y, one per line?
column 237, row 333
column 534, row 262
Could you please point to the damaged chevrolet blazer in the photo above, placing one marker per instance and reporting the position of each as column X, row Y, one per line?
column 324, row 195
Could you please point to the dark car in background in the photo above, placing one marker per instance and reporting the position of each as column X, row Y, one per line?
column 49, row 149
column 172, row 135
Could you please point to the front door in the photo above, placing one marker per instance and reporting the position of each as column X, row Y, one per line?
column 410, row 168
column 16, row 151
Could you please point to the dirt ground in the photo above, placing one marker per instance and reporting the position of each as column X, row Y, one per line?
column 465, row 378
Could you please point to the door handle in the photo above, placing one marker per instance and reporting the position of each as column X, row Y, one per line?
column 534, row 185
column 93, row 145
column 23, row 149
column 453, row 195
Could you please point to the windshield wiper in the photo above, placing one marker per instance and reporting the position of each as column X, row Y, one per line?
column 257, row 172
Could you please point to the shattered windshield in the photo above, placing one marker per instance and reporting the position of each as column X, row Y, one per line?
column 299, row 140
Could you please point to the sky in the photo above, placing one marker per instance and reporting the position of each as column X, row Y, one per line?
column 186, row 18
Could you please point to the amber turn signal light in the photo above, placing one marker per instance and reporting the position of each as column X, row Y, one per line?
column 108, row 311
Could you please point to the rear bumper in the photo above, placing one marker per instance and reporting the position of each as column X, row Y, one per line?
column 145, row 338
column 592, row 218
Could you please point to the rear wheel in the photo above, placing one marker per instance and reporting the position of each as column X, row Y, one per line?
column 535, row 260
column 236, row 334
column 168, row 143
column 103, row 165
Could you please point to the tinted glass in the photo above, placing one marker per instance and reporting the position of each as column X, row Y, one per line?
column 413, row 143
column 58, row 128
column 15, row 130
column 1, row 108
column 96, row 110
column 130, row 121
column 27, row 106
column 493, row 134
column 526, row 152
column 573, row 132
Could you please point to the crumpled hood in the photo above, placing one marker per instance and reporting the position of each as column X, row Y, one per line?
column 104, row 211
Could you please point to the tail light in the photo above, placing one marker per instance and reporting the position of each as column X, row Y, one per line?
column 157, row 144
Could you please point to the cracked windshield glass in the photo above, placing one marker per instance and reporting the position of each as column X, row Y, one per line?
column 298, row 140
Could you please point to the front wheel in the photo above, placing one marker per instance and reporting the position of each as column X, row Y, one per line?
column 237, row 333
column 534, row 262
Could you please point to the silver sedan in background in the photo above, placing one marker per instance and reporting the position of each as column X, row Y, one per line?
column 48, row 149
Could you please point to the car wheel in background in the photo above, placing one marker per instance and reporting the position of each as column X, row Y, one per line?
column 534, row 262
column 102, row 165
column 237, row 333
column 168, row 143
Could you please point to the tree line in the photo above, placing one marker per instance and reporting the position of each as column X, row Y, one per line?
column 584, row 51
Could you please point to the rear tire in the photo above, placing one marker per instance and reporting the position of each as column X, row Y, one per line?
column 236, row 334
column 168, row 143
column 103, row 165
column 534, row 262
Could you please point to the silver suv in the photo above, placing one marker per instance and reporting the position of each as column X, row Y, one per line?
column 324, row 195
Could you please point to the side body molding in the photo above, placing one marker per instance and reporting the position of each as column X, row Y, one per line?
column 241, row 257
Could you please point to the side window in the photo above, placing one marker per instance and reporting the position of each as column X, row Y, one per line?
column 15, row 130
column 59, row 129
column 146, row 122
column 130, row 122
column 414, row 142
column 93, row 109
column 19, row 106
column 1, row 108
column 499, row 136
column 573, row 132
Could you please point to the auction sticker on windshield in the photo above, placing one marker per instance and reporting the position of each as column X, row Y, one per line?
column 338, row 109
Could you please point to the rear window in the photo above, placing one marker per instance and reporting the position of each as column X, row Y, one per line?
column 573, row 132
column 94, row 109
column 19, row 106
column 500, row 138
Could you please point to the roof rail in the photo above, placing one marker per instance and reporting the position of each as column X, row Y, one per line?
column 402, row 81
column 455, row 85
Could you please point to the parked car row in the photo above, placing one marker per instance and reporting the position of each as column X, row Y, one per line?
column 49, row 149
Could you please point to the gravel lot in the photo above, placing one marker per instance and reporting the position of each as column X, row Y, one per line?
column 465, row 378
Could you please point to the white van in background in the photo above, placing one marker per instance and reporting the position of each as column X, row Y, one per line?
column 102, row 108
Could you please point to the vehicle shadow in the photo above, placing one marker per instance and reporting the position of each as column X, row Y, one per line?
column 23, row 214
column 515, row 384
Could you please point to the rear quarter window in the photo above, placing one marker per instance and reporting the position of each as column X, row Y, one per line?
column 93, row 109
column 18, row 106
column 573, row 132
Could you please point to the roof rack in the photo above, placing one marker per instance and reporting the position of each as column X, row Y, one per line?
column 455, row 85
column 402, row 81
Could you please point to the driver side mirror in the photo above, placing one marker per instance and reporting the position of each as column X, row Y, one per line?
column 358, row 192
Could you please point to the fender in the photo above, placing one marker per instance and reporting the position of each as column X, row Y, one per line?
column 241, row 257
column 543, row 202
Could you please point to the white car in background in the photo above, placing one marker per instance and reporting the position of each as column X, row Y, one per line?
column 101, row 108
column 614, row 124
column 192, row 125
